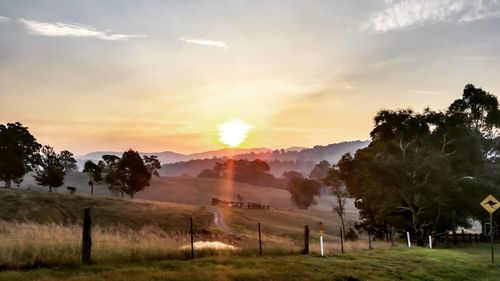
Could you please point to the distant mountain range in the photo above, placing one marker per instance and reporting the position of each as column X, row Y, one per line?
column 167, row 157
column 178, row 164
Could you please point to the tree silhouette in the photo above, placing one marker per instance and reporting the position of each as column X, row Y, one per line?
column 412, row 175
column 94, row 173
column 19, row 152
column 337, row 185
column 303, row 191
column 133, row 174
column 67, row 160
column 320, row 170
column 153, row 164
column 112, row 177
column 51, row 171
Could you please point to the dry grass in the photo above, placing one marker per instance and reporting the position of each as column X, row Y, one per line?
column 26, row 245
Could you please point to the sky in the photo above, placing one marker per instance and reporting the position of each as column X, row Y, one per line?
column 163, row 75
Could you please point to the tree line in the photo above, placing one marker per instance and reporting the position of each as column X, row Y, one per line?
column 20, row 153
column 425, row 172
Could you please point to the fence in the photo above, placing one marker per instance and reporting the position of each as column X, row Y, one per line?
column 238, row 204
column 78, row 245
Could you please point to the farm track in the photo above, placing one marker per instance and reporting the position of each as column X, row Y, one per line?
column 220, row 223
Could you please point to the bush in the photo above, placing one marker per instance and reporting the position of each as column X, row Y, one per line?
column 351, row 235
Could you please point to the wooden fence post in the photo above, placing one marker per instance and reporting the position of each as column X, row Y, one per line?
column 455, row 239
column 463, row 236
column 470, row 238
column 192, row 239
column 341, row 240
column 87, row 237
column 393, row 230
column 260, row 241
column 305, row 251
column 369, row 241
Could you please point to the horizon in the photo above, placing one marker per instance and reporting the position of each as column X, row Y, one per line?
column 165, row 75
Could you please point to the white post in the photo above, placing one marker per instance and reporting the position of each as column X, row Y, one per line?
column 430, row 242
column 408, row 238
column 321, row 244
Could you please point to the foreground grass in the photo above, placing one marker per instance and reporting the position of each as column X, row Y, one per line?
column 384, row 264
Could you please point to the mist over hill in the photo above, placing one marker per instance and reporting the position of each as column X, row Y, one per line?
column 280, row 160
column 292, row 158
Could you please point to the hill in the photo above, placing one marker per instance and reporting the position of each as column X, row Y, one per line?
column 280, row 160
column 166, row 157
column 190, row 191
column 46, row 208
column 301, row 160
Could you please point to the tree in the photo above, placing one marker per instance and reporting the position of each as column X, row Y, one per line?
column 412, row 173
column 51, row 171
column 320, row 170
column 133, row 174
column 111, row 162
column 67, row 160
column 289, row 175
column 339, row 190
column 112, row 177
column 94, row 173
column 19, row 152
column 303, row 191
column 153, row 164
column 208, row 173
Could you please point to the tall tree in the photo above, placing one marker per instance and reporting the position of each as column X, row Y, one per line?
column 302, row 191
column 112, row 177
column 19, row 152
column 320, row 170
column 67, row 160
column 51, row 171
column 411, row 175
column 133, row 174
column 153, row 164
column 339, row 191
column 94, row 173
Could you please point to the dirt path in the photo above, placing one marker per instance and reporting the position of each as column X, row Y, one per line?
column 219, row 222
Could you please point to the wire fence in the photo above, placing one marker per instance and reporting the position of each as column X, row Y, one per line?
column 23, row 244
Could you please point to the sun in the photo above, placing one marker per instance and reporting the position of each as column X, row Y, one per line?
column 234, row 132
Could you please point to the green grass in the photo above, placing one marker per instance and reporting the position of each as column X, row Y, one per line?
column 387, row 264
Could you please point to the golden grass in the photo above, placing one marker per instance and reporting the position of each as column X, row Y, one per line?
column 28, row 244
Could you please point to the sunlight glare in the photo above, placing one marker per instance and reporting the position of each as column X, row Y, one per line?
column 234, row 132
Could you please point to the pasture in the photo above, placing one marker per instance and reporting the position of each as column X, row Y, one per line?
column 386, row 264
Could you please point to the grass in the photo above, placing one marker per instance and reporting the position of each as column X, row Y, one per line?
column 142, row 240
column 47, row 208
column 384, row 264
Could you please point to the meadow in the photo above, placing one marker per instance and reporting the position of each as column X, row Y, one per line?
column 383, row 264
column 40, row 239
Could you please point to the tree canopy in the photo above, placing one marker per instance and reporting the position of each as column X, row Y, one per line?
column 19, row 152
column 50, row 171
column 132, row 172
column 421, row 169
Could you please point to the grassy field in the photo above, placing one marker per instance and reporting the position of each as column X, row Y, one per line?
column 44, row 207
column 191, row 191
column 145, row 240
column 388, row 264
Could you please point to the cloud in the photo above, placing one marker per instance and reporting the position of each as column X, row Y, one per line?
column 423, row 92
column 73, row 30
column 406, row 13
column 4, row 19
column 204, row 42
